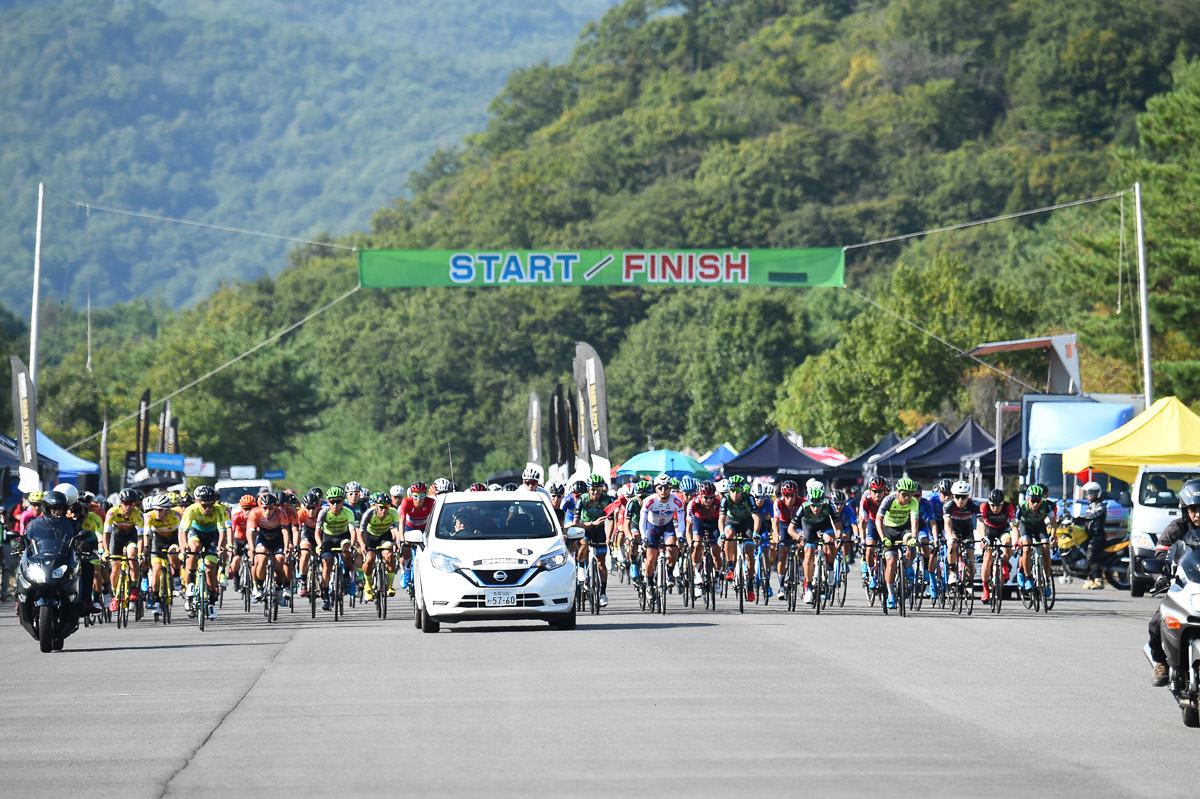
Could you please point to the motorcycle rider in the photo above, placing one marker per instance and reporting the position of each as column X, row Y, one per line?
column 1092, row 520
column 54, row 522
column 1189, row 520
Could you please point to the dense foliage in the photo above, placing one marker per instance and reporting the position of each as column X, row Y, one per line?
column 735, row 123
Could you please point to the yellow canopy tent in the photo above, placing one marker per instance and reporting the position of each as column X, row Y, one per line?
column 1165, row 433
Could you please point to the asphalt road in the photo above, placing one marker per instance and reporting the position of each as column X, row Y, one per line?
column 692, row 703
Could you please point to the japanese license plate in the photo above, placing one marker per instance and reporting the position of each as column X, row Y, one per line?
column 499, row 599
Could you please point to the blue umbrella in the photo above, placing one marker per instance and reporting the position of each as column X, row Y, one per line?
column 658, row 461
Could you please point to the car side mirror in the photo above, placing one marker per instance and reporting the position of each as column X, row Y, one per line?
column 414, row 536
column 574, row 533
column 1124, row 500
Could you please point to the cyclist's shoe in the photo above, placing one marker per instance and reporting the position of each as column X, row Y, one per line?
column 114, row 604
column 729, row 574
column 237, row 582
column 258, row 593
column 405, row 578
column 1049, row 590
column 698, row 590
column 134, row 595
column 212, row 611
column 767, row 588
column 865, row 571
column 176, row 584
column 750, row 596
column 97, row 606
column 1006, row 571
column 603, row 601
column 303, row 589
column 951, row 578
column 912, row 575
column 987, row 596
column 287, row 595
column 391, row 592
column 1159, row 679
column 581, row 574
column 370, row 595
column 808, row 596
column 325, row 603
column 871, row 583
column 891, row 601
column 635, row 571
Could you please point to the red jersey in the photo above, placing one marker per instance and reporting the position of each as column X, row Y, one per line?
column 238, row 520
column 270, row 523
column 708, row 513
column 413, row 517
column 868, row 508
column 785, row 512
column 308, row 518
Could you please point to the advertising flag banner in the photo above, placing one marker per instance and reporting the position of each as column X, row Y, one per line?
column 716, row 267
column 24, row 402
column 589, row 376
column 104, row 455
column 533, row 428
column 173, row 436
column 143, row 428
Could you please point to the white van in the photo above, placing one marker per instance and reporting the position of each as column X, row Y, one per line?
column 1153, row 503
column 230, row 491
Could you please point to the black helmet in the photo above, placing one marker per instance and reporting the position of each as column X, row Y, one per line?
column 1188, row 495
column 579, row 487
column 55, row 499
column 128, row 495
column 510, row 486
column 206, row 493
column 943, row 486
column 267, row 500
column 996, row 496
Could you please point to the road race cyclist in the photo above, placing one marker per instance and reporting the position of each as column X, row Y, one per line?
column 414, row 512
column 379, row 528
column 237, row 521
column 1032, row 517
column 704, row 516
column 592, row 517
column 784, row 511
column 122, row 525
column 661, row 520
column 896, row 520
column 269, row 529
column 738, row 519
column 305, row 533
column 958, row 520
column 632, row 531
column 868, row 510
column 844, row 511
column 997, row 517
column 335, row 534
column 160, row 537
column 815, row 517
column 203, row 531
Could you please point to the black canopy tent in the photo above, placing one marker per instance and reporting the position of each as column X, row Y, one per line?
column 853, row 468
column 774, row 454
column 1010, row 456
column 893, row 462
column 945, row 459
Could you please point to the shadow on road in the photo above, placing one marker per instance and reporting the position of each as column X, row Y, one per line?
column 168, row 646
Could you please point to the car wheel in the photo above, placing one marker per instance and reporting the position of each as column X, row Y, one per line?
column 428, row 623
column 566, row 621
column 417, row 617
column 1137, row 588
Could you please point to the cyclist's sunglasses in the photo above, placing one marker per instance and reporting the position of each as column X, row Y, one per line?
column 337, row 501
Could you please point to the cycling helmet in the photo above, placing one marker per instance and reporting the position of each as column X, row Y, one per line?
column 960, row 488
column 996, row 496
column 511, row 486
column 1035, row 490
column 495, row 487
column 688, row 485
column 289, row 497
column 247, row 501
column 127, row 496
column 579, row 487
column 161, row 502
column 1091, row 487
column 839, row 497
column 557, row 489
column 206, row 493
column 312, row 499
column 708, row 488
column 737, row 483
column 595, row 480
column 788, row 488
column 763, row 490
column 87, row 497
column 674, row 483
column 478, row 487
column 183, row 500
column 816, row 492
column 354, row 487
column 907, row 484
column 396, row 491
column 69, row 491
column 624, row 491
column 662, row 481
column 54, row 499
column 878, row 484
column 268, row 500
column 335, row 492
column 418, row 489
column 1189, row 495
column 379, row 498
column 643, row 487
column 441, row 486
column 36, row 497
column 145, row 504
column 531, row 473
column 943, row 486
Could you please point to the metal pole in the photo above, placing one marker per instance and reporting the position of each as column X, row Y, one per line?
column 1147, row 380
column 997, row 484
column 37, row 284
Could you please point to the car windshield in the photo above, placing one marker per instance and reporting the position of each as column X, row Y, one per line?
column 518, row 518
column 230, row 495
column 1160, row 489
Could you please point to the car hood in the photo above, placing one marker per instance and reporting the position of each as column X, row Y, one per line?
column 496, row 554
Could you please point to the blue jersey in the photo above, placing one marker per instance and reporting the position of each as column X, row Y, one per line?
column 766, row 511
column 568, row 505
column 924, row 514
column 847, row 517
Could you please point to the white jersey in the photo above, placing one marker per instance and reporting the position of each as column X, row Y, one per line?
column 660, row 512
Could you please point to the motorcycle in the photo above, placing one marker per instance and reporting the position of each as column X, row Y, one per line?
column 48, row 589
column 1180, row 626
column 1069, row 558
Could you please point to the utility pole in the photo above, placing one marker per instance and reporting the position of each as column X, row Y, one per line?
column 1147, row 379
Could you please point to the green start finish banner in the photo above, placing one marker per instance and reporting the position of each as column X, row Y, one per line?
column 422, row 268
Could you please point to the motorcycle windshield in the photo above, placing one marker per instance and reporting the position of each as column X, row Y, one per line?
column 1189, row 566
column 49, row 539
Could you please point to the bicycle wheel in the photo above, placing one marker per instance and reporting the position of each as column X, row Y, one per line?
column 713, row 577
column 201, row 579
column 1046, row 584
column 866, row 581
column 740, row 582
column 594, row 580
column 997, row 583
column 843, row 580
column 335, row 588
column 663, row 572
column 817, row 586
column 314, row 585
column 902, row 587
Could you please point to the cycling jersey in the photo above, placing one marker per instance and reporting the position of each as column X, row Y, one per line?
column 91, row 525
column 784, row 512
column 592, row 510
column 896, row 513
column 661, row 518
column 924, row 514
column 868, row 508
column 414, row 517
column 568, row 505
column 846, row 517
column 961, row 519
column 196, row 519
column 267, row 524
column 336, row 523
column 122, row 521
column 167, row 526
column 997, row 520
column 378, row 525
column 701, row 512
column 238, row 521
column 1030, row 515
column 739, row 511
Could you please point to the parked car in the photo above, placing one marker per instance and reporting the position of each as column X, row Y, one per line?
column 491, row 557
column 1153, row 503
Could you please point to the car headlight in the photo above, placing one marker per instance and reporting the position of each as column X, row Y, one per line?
column 36, row 571
column 59, row 572
column 552, row 561
column 444, row 563
column 1141, row 541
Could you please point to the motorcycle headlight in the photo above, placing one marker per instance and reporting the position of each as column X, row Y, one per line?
column 60, row 571
column 552, row 561
column 1141, row 541
column 36, row 571
column 444, row 563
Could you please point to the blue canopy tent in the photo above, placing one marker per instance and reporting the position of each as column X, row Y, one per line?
column 47, row 467
column 69, row 466
column 720, row 455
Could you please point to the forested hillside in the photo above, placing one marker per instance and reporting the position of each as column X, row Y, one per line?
column 295, row 118
column 748, row 123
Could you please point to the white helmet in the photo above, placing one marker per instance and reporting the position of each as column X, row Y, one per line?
column 812, row 481
column 161, row 502
column 495, row 487
column 1087, row 488
column 69, row 491
column 441, row 486
column 960, row 488
column 397, row 490
column 531, row 473
column 354, row 487
column 663, row 479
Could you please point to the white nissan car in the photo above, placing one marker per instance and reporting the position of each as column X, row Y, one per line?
column 492, row 556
